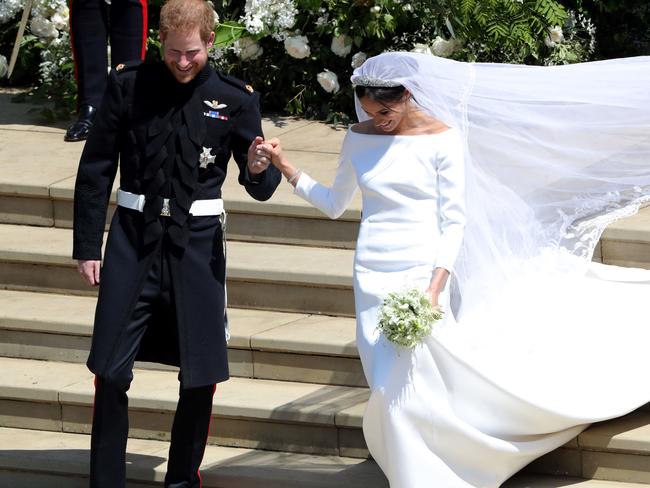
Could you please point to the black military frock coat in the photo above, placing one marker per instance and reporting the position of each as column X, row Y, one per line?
column 172, row 141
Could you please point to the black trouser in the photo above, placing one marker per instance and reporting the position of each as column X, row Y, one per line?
column 92, row 23
column 110, row 416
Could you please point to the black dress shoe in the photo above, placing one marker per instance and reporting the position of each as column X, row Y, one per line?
column 78, row 131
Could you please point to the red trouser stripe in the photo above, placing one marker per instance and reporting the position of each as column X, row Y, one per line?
column 143, row 51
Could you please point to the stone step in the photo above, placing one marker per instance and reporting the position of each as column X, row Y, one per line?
column 286, row 219
column 262, row 276
column 266, row 345
column 283, row 416
column 250, row 413
column 39, row 459
column 34, row 459
column 627, row 242
column 524, row 481
column 36, row 186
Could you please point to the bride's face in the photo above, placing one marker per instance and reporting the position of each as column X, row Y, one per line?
column 386, row 116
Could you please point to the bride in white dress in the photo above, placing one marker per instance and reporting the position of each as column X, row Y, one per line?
column 485, row 173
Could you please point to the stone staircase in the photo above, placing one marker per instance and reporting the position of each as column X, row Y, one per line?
column 291, row 415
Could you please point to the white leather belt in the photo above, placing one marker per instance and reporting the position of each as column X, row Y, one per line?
column 199, row 208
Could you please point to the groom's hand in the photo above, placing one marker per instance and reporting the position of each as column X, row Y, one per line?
column 89, row 270
column 272, row 149
column 257, row 162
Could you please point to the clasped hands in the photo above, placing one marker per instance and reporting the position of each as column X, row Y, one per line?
column 263, row 153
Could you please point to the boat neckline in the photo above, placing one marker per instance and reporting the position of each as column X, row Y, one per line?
column 450, row 129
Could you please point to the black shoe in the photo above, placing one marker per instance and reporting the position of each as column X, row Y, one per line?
column 78, row 131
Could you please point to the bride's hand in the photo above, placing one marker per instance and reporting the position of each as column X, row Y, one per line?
column 433, row 296
column 271, row 150
column 437, row 284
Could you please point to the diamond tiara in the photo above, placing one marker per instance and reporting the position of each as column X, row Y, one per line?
column 361, row 80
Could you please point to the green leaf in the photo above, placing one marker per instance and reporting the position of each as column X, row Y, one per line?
column 227, row 33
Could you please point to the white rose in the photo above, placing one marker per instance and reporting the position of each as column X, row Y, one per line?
column 358, row 59
column 421, row 48
column 376, row 9
column 249, row 49
column 297, row 46
column 329, row 81
column 61, row 19
column 341, row 45
column 4, row 68
column 443, row 47
column 216, row 16
column 408, row 7
column 555, row 36
column 255, row 25
column 43, row 28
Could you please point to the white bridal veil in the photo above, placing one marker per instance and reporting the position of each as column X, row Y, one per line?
column 553, row 155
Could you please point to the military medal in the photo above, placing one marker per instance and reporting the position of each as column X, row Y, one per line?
column 215, row 104
column 213, row 114
column 206, row 158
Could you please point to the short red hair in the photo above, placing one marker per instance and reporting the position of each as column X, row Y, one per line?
column 186, row 16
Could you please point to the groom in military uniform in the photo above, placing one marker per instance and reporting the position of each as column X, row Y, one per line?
column 173, row 126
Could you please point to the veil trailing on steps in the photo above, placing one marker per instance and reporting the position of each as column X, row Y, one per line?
column 553, row 155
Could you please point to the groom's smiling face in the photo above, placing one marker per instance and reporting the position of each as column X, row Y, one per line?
column 185, row 53
column 386, row 116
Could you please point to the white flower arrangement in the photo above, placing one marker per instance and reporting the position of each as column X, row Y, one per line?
column 267, row 16
column 358, row 59
column 328, row 81
column 43, row 28
column 443, row 47
column 555, row 36
column 216, row 16
column 297, row 46
column 53, row 59
column 247, row 49
column 406, row 317
column 341, row 45
column 421, row 48
column 9, row 9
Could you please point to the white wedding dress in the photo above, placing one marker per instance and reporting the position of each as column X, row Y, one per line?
column 525, row 368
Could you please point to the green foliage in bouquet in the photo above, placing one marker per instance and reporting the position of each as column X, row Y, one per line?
column 406, row 317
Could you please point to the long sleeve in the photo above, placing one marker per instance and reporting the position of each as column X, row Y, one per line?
column 334, row 200
column 97, row 169
column 248, row 126
column 451, row 188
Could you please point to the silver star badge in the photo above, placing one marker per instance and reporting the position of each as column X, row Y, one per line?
column 214, row 104
column 206, row 158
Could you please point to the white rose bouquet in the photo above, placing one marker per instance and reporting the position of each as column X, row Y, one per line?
column 406, row 317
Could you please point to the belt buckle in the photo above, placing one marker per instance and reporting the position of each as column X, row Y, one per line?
column 165, row 210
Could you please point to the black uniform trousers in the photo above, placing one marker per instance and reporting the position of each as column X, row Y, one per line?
column 92, row 23
column 110, row 414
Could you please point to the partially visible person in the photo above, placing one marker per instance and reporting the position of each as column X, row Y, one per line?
column 173, row 126
column 92, row 24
